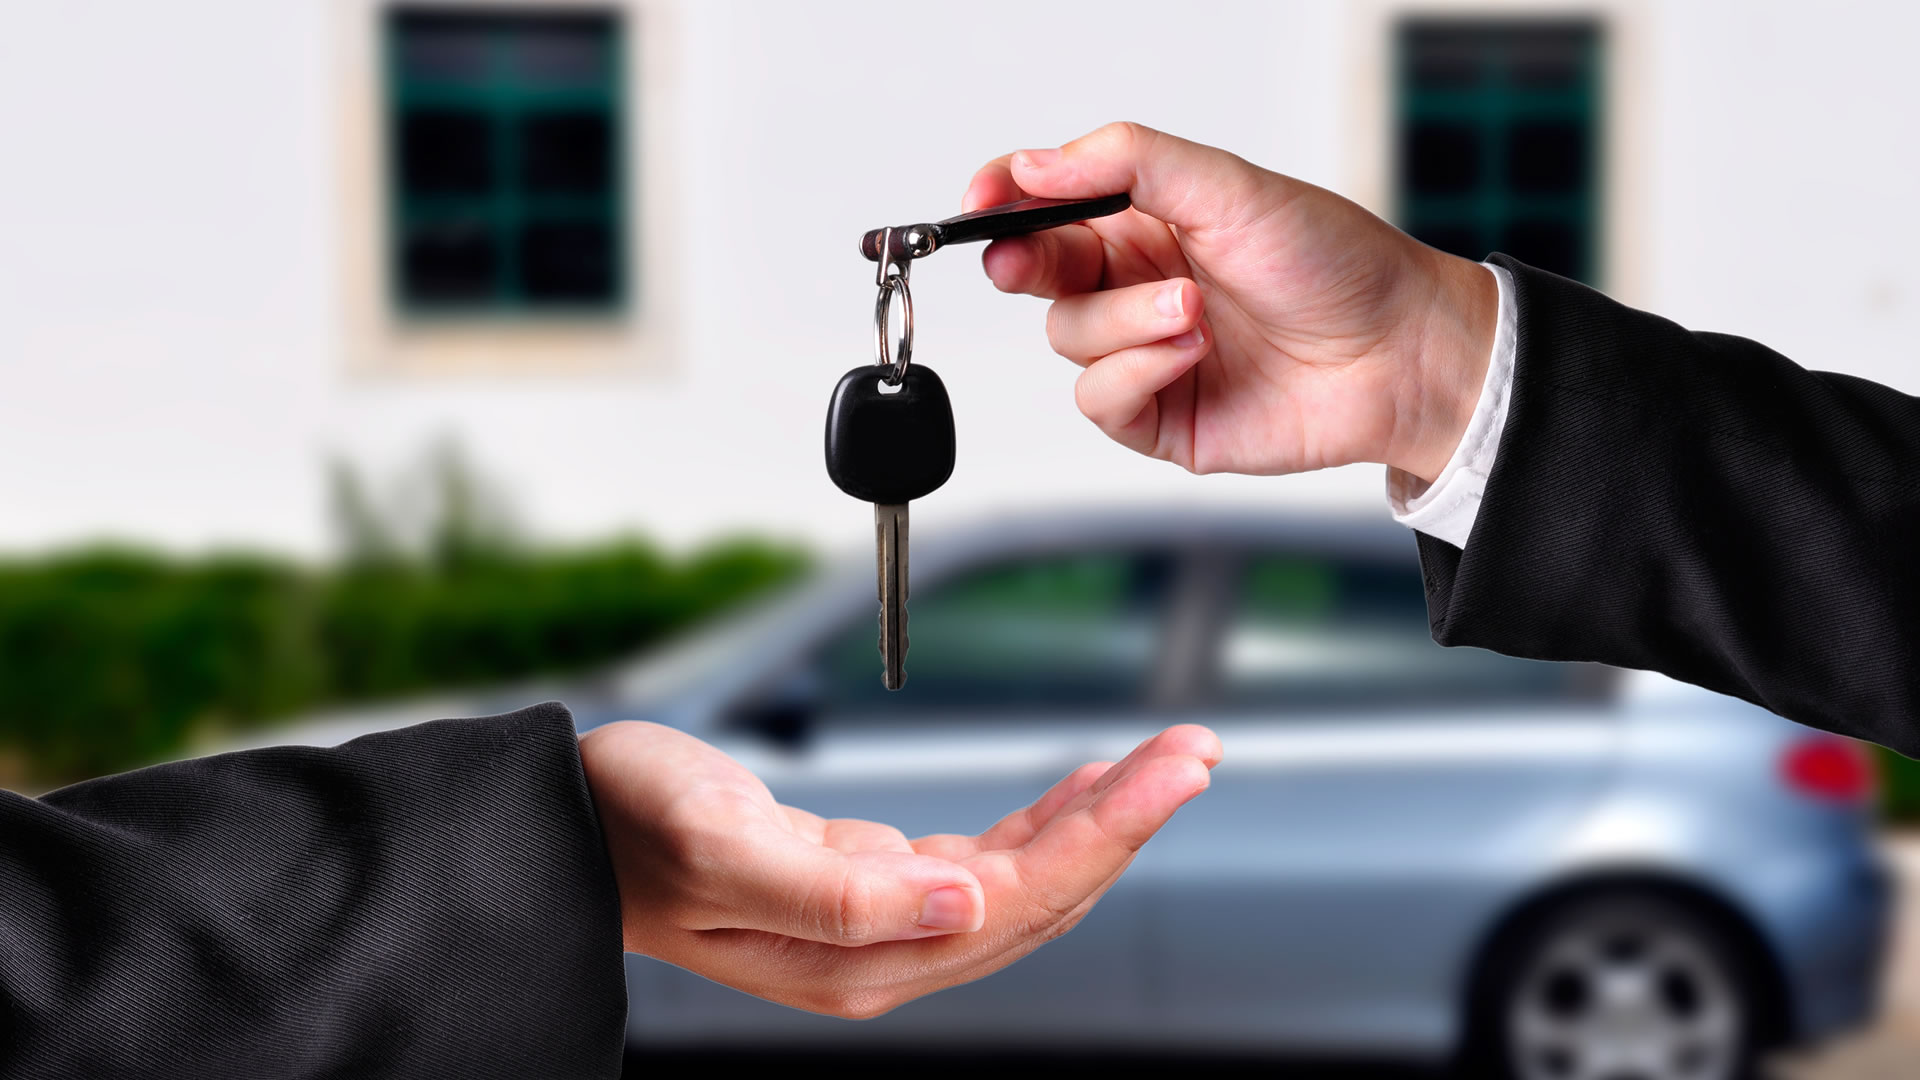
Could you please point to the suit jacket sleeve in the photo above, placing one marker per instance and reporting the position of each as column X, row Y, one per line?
column 430, row 902
column 1699, row 505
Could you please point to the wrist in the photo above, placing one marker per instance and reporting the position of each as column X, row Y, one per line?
column 607, row 807
column 1450, row 327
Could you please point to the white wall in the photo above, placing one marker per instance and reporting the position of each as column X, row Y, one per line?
column 171, row 339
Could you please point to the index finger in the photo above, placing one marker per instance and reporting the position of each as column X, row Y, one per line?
column 1080, row 851
column 1086, row 783
column 1051, row 264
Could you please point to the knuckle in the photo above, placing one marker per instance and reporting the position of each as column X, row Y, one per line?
column 864, row 1004
column 1137, row 142
column 1057, row 328
column 1124, row 133
column 839, row 998
column 1060, row 929
column 856, row 918
column 1052, row 916
column 1058, row 907
column 1086, row 396
column 1052, row 908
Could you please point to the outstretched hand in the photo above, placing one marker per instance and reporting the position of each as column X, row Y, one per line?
column 850, row 917
column 1239, row 320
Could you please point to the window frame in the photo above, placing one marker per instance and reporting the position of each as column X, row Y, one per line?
column 1369, row 163
column 1493, row 205
column 509, row 209
column 1174, row 667
column 379, row 346
column 1584, row 684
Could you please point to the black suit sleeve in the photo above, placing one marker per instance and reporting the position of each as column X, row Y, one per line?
column 430, row 902
column 1696, row 504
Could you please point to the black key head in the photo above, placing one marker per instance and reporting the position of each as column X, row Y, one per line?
column 889, row 448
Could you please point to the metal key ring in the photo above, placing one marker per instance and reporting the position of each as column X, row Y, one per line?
column 882, row 312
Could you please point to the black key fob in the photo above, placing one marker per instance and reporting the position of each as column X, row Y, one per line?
column 889, row 447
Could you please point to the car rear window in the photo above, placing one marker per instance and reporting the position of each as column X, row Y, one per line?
column 1313, row 630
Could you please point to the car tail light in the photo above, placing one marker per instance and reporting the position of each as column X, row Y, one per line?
column 1829, row 768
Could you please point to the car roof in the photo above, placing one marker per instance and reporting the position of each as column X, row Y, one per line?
column 1364, row 536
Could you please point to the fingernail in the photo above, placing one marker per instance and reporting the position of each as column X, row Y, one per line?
column 1037, row 159
column 948, row 909
column 1189, row 339
column 1170, row 301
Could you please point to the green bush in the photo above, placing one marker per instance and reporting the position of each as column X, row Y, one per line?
column 1899, row 788
column 113, row 657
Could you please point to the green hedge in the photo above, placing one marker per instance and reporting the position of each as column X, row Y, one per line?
column 111, row 658
column 1899, row 788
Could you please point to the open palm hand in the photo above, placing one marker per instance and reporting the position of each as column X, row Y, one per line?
column 850, row 917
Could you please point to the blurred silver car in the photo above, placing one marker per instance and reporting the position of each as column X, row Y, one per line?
column 1550, row 871
column 1553, row 870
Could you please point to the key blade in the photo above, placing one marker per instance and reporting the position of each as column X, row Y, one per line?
column 890, row 539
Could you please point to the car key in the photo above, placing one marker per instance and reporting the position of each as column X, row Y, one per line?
column 889, row 449
column 890, row 436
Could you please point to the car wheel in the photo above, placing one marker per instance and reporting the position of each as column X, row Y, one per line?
column 1616, row 986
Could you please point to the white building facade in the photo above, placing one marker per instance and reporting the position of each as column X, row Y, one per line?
column 194, row 314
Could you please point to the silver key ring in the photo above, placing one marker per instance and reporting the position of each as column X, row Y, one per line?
column 882, row 311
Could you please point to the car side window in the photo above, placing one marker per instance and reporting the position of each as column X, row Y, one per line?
column 1066, row 632
column 1321, row 631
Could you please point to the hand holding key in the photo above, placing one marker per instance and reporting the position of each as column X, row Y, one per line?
column 1239, row 320
column 850, row 917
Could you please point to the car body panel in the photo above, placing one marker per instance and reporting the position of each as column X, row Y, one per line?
column 1325, row 890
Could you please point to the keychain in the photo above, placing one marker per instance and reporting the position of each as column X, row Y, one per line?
column 890, row 424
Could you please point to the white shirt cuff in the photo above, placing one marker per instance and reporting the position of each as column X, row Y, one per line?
column 1446, row 510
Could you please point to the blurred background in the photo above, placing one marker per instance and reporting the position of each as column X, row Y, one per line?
column 361, row 362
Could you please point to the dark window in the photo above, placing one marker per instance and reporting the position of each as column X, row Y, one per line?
column 1060, row 633
column 569, row 151
column 1547, row 242
column 505, row 186
column 1314, row 632
column 563, row 259
column 1499, row 129
column 452, row 261
column 445, row 152
column 1443, row 158
column 1546, row 157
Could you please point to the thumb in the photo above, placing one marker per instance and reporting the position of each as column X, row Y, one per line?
column 802, row 890
column 1180, row 182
